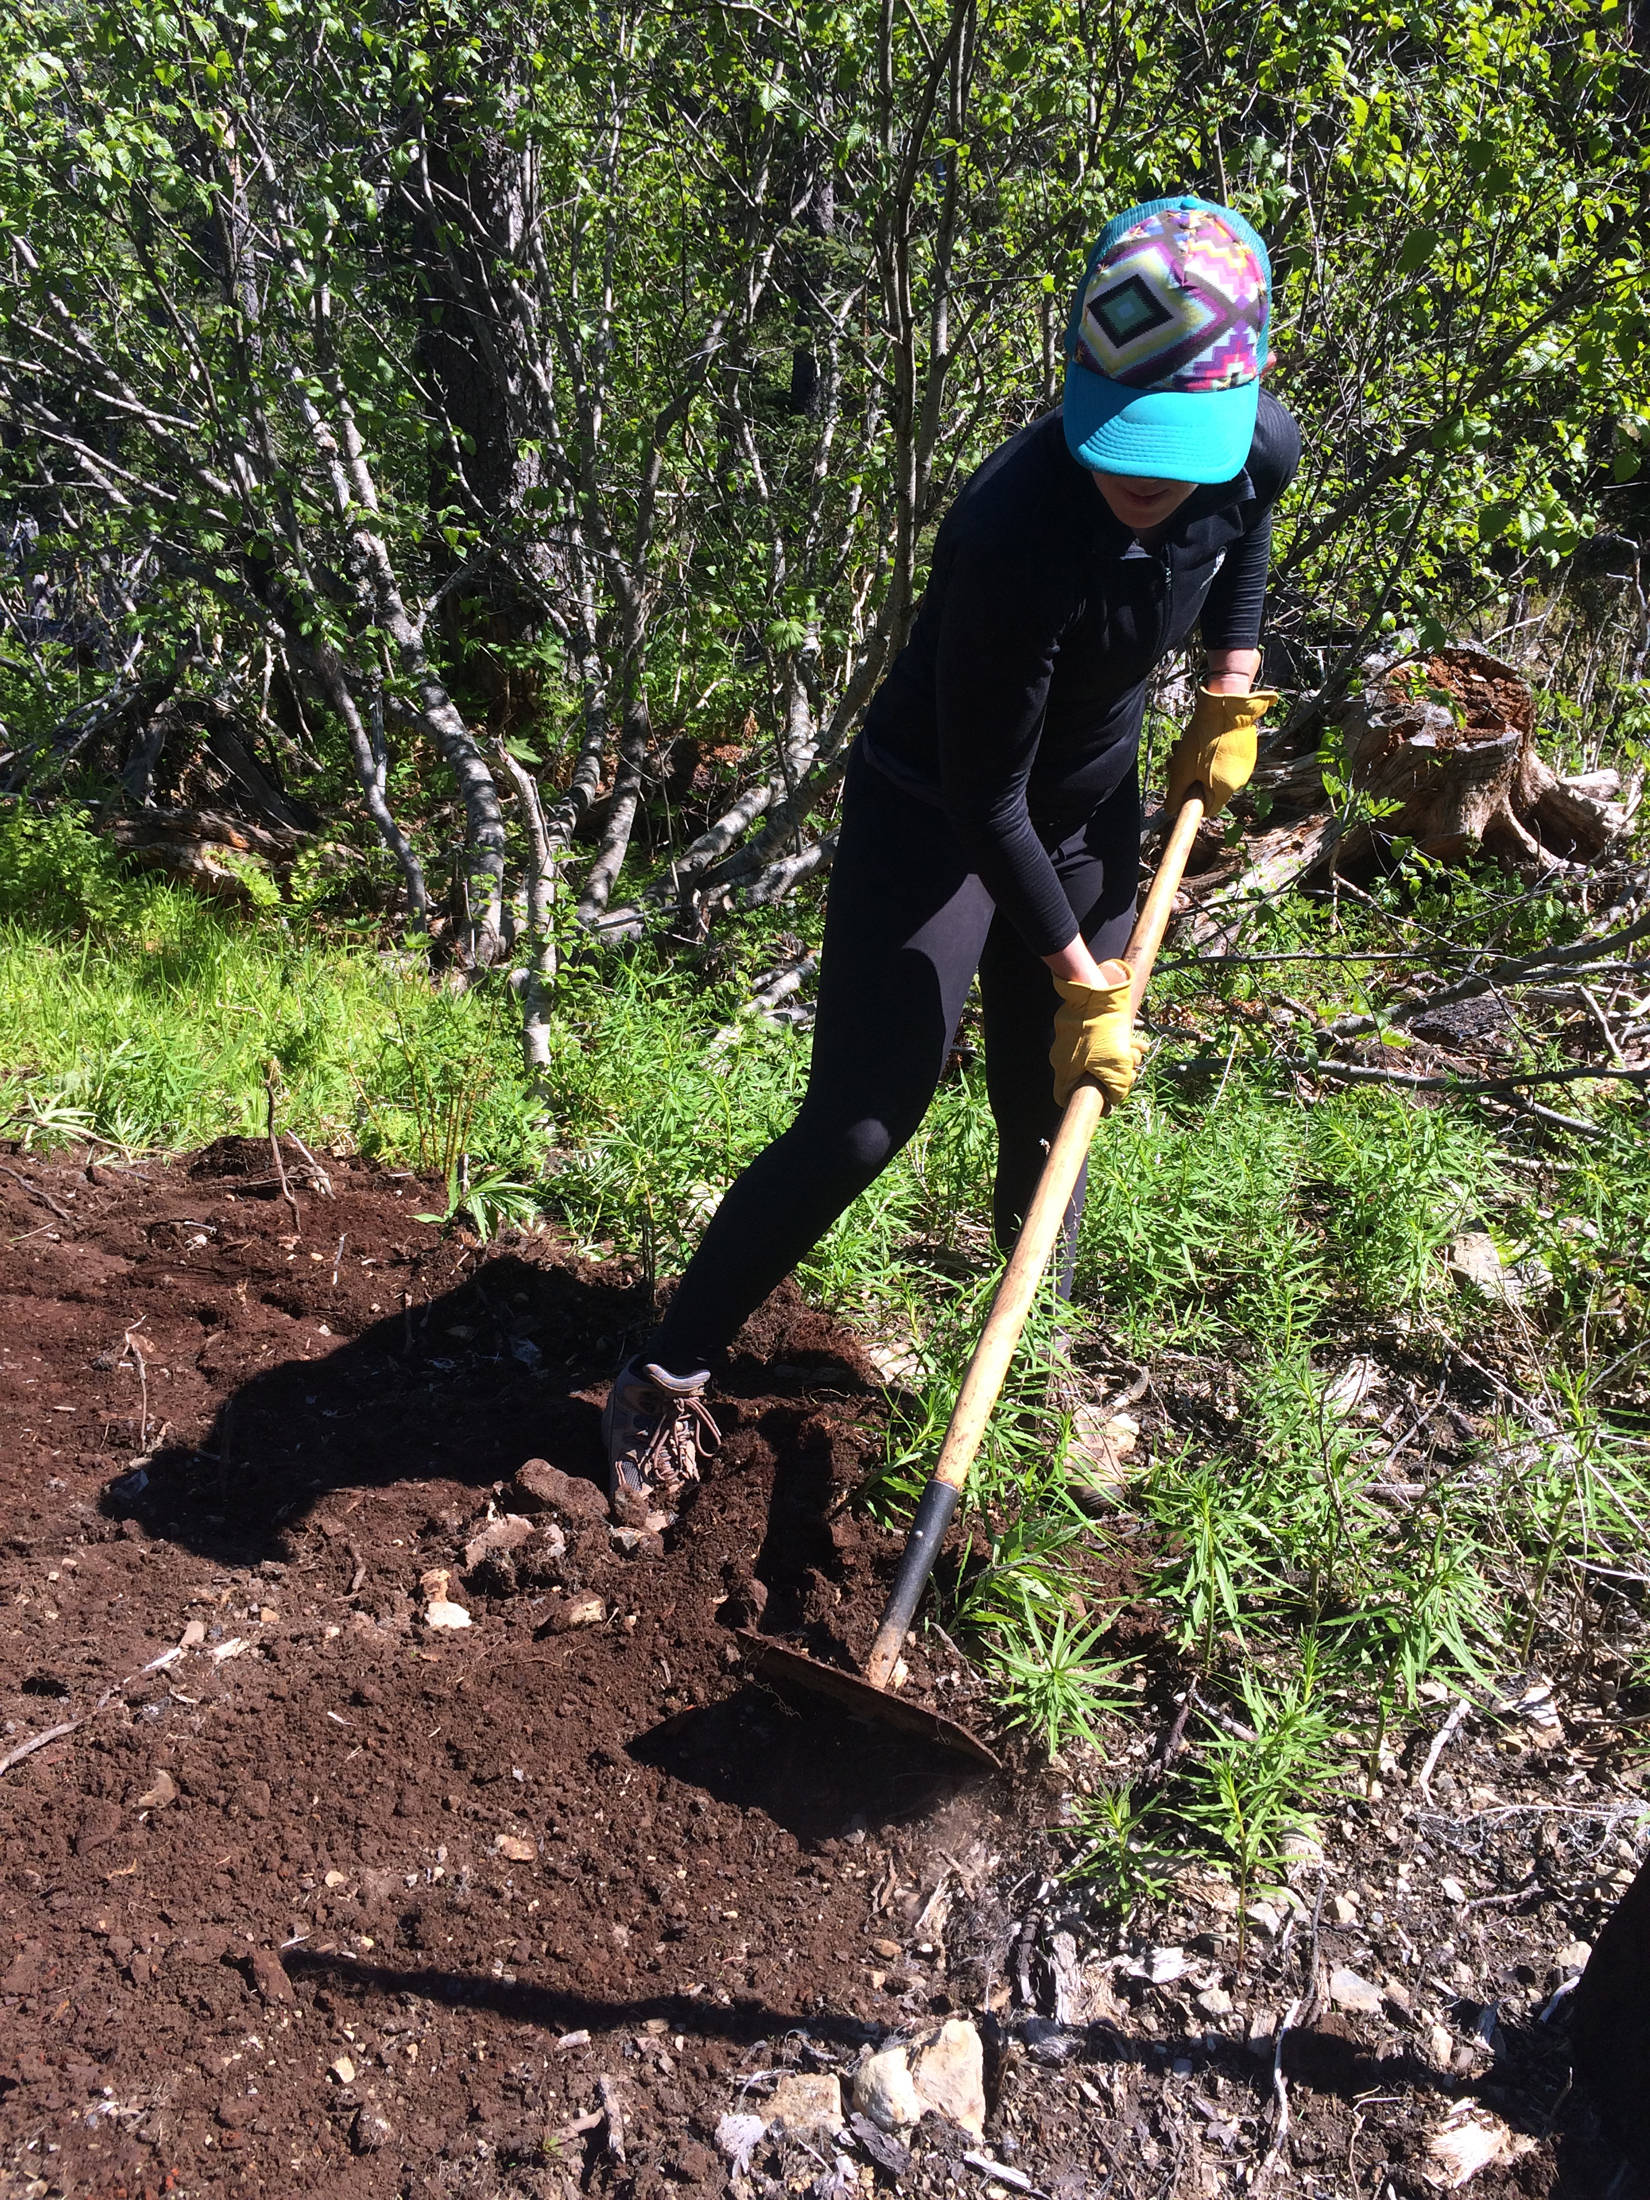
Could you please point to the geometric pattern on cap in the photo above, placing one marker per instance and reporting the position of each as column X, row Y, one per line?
column 1178, row 303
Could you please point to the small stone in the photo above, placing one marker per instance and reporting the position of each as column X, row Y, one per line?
column 1452, row 1890
column 1345, row 1909
column 1266, row 1916
column 540, row 1487
column 343, row 2070
column 887, row 1949
column 563, row 1614
column 506, row 1534
column 512, row 1846
column 1476, row 1260
column 948, row 2072
column 1049, row 2042
column 637, row 1542
column 1160, row 1966
column 1572, row 1957
column 1350, row 1992
column 434, row 1582
column 808, row 2107
column 1441, row 2045
column 333, row 1879
column 886, row 2152
column 883, row 2092
column 100, row 1823
column 369, row 2131
column 1473, row 2139
column 193, row 1635
column 1214, row 2001
column 442, row 1612
column 270, row 1979
column 162, row 1789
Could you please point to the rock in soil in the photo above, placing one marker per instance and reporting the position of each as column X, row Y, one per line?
column 540, row 1487
column 270, row 1978
column 808, row 2107
column 940, row 2071
column 369, row 2131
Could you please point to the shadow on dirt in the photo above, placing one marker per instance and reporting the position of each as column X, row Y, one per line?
column 462, row 1388
column 553, row 2009
column 751, row 1750
column 1590, row 2167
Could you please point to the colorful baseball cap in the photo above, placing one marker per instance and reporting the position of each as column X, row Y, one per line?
column 1166, row 341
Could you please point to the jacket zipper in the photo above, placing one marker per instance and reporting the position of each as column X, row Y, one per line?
column 1165, row 562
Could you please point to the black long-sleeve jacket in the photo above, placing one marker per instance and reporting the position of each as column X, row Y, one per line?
column 1015, row 705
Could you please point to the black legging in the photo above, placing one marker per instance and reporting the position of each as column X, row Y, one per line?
column 906, row 927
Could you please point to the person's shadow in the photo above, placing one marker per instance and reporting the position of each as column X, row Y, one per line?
column 507, row 1366
column 464, row 1388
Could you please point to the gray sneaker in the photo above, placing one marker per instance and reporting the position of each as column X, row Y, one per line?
column 656, row 1428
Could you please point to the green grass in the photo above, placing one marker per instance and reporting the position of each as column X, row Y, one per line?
column 1236, row 1240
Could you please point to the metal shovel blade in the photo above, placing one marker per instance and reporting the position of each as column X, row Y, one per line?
column 786, row 1667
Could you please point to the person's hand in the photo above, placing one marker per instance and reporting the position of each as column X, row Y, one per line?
column 1094, row 1037
column 1218, row 747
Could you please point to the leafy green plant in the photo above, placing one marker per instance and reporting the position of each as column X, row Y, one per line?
column 1121, row 1853
column 489, row 1204
column 1217, row 1550
column 1249, row 1785
column 1051, row 1683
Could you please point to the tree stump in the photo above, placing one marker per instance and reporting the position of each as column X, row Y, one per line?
column 1449, row 739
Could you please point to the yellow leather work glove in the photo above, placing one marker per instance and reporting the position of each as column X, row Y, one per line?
column 1218, row 746
column 1094, row 1037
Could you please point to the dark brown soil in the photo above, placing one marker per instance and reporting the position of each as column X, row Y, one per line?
column 329, row 1416
column 315, row 1899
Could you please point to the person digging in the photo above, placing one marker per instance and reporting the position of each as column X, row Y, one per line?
column 991, row 807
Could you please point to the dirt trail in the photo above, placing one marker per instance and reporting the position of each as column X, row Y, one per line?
column 318, row 1899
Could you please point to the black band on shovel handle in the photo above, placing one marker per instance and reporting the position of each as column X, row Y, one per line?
column 939, row 1502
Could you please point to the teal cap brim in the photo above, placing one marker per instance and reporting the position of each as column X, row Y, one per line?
column 1165, row 435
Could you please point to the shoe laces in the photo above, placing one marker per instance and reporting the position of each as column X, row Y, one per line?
column 684, row 1432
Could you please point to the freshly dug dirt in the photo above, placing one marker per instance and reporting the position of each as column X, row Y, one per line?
column 301, row 1894
column 460, row 1846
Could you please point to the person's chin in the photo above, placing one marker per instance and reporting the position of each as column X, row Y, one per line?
column 1146, row 511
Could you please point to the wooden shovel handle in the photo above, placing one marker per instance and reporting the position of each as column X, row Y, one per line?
column 989, row 1365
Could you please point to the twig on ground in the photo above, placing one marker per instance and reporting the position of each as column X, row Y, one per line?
column 1511, row 970
column 1577, row 1125
column 1440, row 1742
column 68, row 1726
column 1003, row 2174
column 337, row 1259
column 1364, row 1073
column 40, row 1198
column 317, row 1175
column 1280, row 2093
column 1174, row 1740
column 131, row 1347
column 766, row 996
column 608, row 2093
column 37, row 1741
column 272, row 1077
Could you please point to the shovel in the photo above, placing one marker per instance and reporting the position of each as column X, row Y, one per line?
column 867, row 1695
